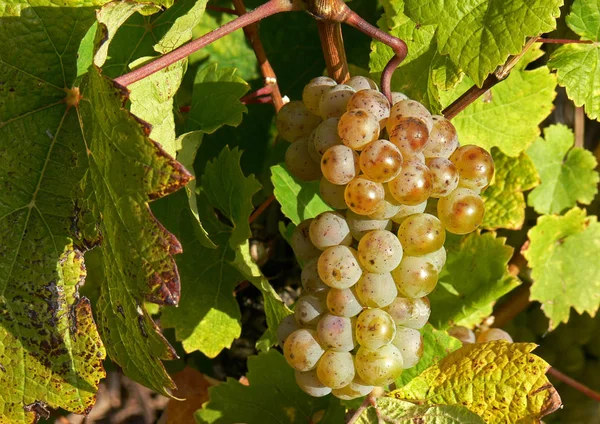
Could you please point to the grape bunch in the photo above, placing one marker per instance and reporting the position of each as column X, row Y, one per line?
column 397, row 180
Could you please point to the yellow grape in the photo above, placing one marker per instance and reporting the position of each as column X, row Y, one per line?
column 343, row 302
column 379, row 367
column 299, row 162
column 309, row 382
column 332, row 194
column 413, row 185
column 323, row 137
column 314, row 90
column 415, row 277
column 443, row 139
column 364, row 196
column 336, row 369
column 374, row 328
column 381, row 161
column 409, row 109
column 379, row 251
column 362, row 83
column 302, row 349
column 357, row 388
column 410, row 344
column 420, row 234
column 376, row 290
column 338, row 267
column 445, row 176
column 461, row 212
column 334, row 102
column 409, row 134
column 339, row 164
column 294, row 120
column 475, row 167
column 357, row 128
column 374, row 102
column 408, row 312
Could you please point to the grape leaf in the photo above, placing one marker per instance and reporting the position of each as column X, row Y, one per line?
column 272, row 396
column 299, row 200
column 475, row 275
column 504, row 200
column 567, row 173
column 479, row 35
column 563, row 254
column 584, row 19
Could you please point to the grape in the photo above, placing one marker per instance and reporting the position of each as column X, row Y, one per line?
column 381, row 161
column 415, row 277
column 311, row 95
column 475, row 167
column 357, row 128
column 389, row 208
column 311, row 282
column 464, row 334
column 364, row 196
column 301, row 244
column 409, row 109
column 286, row 327
column 407, row 210
column 445, row 176
column 413, row 185
column 336, row 333
column 376, row 290
column 324, row 137
column 357, row 388
column 343, row 302
column 302, row 349
column 398, row 96
column 493, row 334
column 339, row 164
column 334, row 102
column 332, row 194
column 360, row 224
column 309, row 309
column 374, row 328
column 310, row 384
column 299, row 162
column 362, row 83
column 409, row 135
column 338, row 267
column 329, row 229
column 336, row 369
column 443, row 140
column 462, row 211
column 412, row 313
column 294, row 120
column 410, row 344
column 420, row 234
column 374, row 102
column 379, row 367
column 437, row 258
column 379, row 251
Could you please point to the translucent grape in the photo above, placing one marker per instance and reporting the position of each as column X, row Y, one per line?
column 311, row 282
column 410, row 344
column 362, row 83
column 324, row 137
column 443, row 140
column 445, row 176
column 437, row 258
column 332, row 194
column 338, row 267
column 301, row 244
column 412, row 313
column 379, row 367
column 364, row 196
column 299, row 162
column 336, row 369
column 343, row 302
column 379, row 251
column 409, row 109
column 381, row 161
column 376, row 290
column 410, row 135
column 374, row 102
column 420, row 234
column 389, row 208
column 302, row 349
column 309, row 308
column 360, row 224
column 334, row 102
column 294, row 120
column 316, row 87
column 407, row 210
column 475, row 167
column 310, row 383
column 357, row 128
column 374, row 328
column 464, row 334
column 336, row 333
column 461, row 212
column 286, row 327
column 415, row 277
column 339, row 164
column 492, row 334
column 357, row 388
column 398, row 97
column 413, row 185
column 329, row 229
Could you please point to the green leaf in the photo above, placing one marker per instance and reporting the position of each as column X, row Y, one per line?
column 567, row 173
column 563, row 254
column 502, row 382
column 584, row 19
column 474, row 277
column 272, row 396
column 299, row 200
column 479, row 35
column 504, row 200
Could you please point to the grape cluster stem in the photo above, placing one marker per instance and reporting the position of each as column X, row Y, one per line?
column 574, row 384
column 332, row 44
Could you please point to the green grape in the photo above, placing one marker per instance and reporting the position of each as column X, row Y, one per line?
column 324, row 137
column 332, row 194
column 329, row 229
column 437, row 258
column 357, row 388
column 443, row 139
column 412, row 313
column 407, row 210
column 301, row 244
column 475, row 167
column 409, row 135
column 379, row 251
column 415, row 277
column 381, row 161
column 374, row 328
column 294, row 120
column 286, row 327
column 314, row 90
column 464, row 334
column 336, row 369
column 311, row 282
column 299, row 162
column 334, row 102
column 409, row 109
column 398, row 97
column 389, row 208
column 309, row 382
column 362, row 83
column 410, row 344
column 445, row 176
column 374, row 102
column 309, row 308
column 302, row 349
column 461, row 212
column 376, row 290
column 357, row 128
column 360, row 224
column 420, row 234
column 336, row 333
column 343, row 302
column 492, row 334
column 413, row 185
column 339, row 164
column 364, row 196
column 338, row 267
column 379, row 367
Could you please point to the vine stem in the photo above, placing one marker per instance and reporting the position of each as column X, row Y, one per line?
column 332, row 44
column 563, row 41
column 369, row 401
column 579, row 126
column 574, row 384
column 263, row 206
